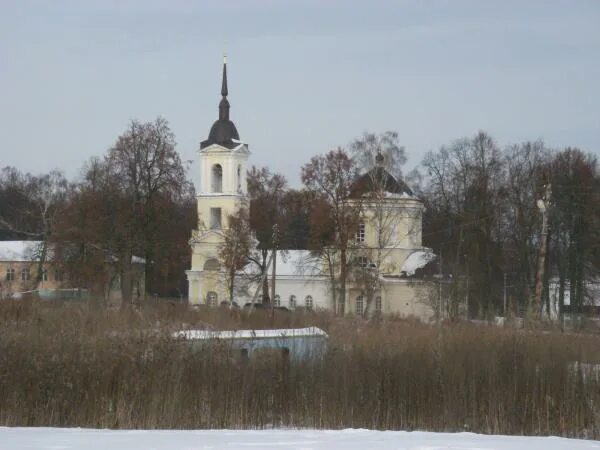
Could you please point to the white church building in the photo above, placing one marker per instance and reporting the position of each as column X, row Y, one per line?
column 302, row 280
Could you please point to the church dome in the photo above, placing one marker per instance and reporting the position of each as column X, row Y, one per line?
column 222, row 132
column 378, row 179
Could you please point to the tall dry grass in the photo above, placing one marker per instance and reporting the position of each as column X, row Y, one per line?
column 80, row 365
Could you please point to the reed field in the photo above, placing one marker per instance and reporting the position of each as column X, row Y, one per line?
column 78, row 364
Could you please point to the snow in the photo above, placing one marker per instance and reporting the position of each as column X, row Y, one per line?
column 18, row 250
column 417, row 260
column 351, row 439
column 249, row 334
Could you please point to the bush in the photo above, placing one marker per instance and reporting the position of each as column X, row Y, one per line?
column 81, row 365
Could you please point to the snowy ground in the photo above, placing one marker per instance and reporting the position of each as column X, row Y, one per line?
column 75, row 438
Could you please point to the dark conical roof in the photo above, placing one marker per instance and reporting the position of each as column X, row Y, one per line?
column 223, row 130
column 378, row 179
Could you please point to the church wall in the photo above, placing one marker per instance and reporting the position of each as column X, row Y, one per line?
column 318, row 289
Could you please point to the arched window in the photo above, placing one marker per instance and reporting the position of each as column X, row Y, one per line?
column 212, row 299
column 359, row 307
column 217, row 178
column 308, row 301
column 378, row 305
column 292, row 301
column 277, row 301
column 239, row 178
column 212, row 264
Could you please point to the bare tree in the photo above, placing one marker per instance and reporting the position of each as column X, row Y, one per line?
column 330, row 178
column 365, row 149
column 266, row 192
column 235, row 250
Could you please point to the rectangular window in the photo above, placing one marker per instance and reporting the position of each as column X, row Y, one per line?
column 215, row 218
column 44, row 275
column 10, row 274
column 359, row 305
column 25, row 274
column 58, row 275
column 360, row 234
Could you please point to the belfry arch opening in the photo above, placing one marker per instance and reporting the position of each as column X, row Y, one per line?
column 217, row 178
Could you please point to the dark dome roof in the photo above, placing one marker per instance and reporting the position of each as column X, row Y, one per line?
column 375, row 179
column 222, row 132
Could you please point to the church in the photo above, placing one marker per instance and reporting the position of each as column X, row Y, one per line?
column 387, row 246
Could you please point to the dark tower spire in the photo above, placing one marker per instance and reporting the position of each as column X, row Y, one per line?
column 224, row 104
column 224, row 85
column 223, row 131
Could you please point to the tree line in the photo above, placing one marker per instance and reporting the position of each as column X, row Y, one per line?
column 481, row 217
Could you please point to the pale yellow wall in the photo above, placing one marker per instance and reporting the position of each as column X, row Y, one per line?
column 205, row 242
column 18, row 285
column 228, row 204
column 405, row 215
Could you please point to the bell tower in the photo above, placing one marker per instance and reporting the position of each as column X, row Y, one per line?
column 223, row 189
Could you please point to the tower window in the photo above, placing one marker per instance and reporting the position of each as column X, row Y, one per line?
column 239, row 179
column 215, row 218
column 217, row 178
column 212, row 264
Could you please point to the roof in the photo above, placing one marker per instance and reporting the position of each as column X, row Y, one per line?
column 223, row 132
column 28, row 251
column 378, row 179
column 250, row 334
column 297, row 263
column 19, row 250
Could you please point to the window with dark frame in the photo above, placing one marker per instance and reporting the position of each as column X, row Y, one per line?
column 360, row 233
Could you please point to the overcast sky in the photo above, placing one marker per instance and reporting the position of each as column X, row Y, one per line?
column 304, row 76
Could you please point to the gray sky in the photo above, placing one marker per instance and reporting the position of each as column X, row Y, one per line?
column 304, row 76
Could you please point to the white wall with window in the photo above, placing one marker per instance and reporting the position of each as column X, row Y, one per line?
column 277, row 301
column 308, row 302
column 292, row 301
column 359, row 305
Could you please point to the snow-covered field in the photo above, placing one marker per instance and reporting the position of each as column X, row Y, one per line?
column 80, row 439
